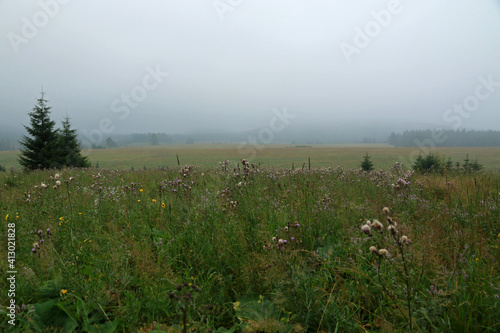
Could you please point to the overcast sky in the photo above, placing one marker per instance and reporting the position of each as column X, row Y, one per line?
column 174, row 66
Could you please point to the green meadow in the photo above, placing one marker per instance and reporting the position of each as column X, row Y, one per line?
column 282, row 156
column 227, row 248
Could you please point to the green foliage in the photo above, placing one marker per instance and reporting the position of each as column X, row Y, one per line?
column 39, row 151
column 448, row 165
column 2, row 168
column 367, row 164
column 69, row 148
column 428, row 163
column 122, row 249
column 262, row 315
column 432, row 162
column 47, row 147
column 471, row 166
column 70, row 314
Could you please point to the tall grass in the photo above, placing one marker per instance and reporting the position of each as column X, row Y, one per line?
column 251, row 249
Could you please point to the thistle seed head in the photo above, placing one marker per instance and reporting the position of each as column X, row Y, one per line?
column 377, row 225
column 366, row 229
column 383, row 252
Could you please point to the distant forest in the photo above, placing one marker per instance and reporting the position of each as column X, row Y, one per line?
column 6, row 145
column 409, row 138
column 445, row 138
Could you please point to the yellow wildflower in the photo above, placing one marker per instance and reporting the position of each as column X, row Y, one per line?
column 163, row 206
column 7, row 217
column 154, row 200
column 141, row 190
column 63, row 291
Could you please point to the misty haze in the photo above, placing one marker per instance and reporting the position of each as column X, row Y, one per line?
column 250, row 166
column 122, row 67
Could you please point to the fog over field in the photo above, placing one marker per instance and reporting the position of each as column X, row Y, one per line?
column 250, row 165
column 226, row 66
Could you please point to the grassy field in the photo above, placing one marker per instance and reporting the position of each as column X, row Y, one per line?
column 282, row 156
column 263, row 249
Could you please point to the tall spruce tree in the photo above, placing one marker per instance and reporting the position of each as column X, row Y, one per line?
column 40, row 149
column 69, row 147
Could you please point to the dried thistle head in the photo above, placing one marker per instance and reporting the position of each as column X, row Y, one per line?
column 377, row 225
column 404, row 240
column 386, row 211
column 392, row 229
column 383, row 252
column 366, row 229
column 373, row 250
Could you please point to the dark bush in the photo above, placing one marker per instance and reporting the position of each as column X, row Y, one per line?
column 428, row 163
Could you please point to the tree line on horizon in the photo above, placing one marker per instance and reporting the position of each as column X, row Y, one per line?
column 6, row 145
column 446, row 138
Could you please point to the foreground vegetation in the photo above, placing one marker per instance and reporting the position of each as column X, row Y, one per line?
column 243, row 248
